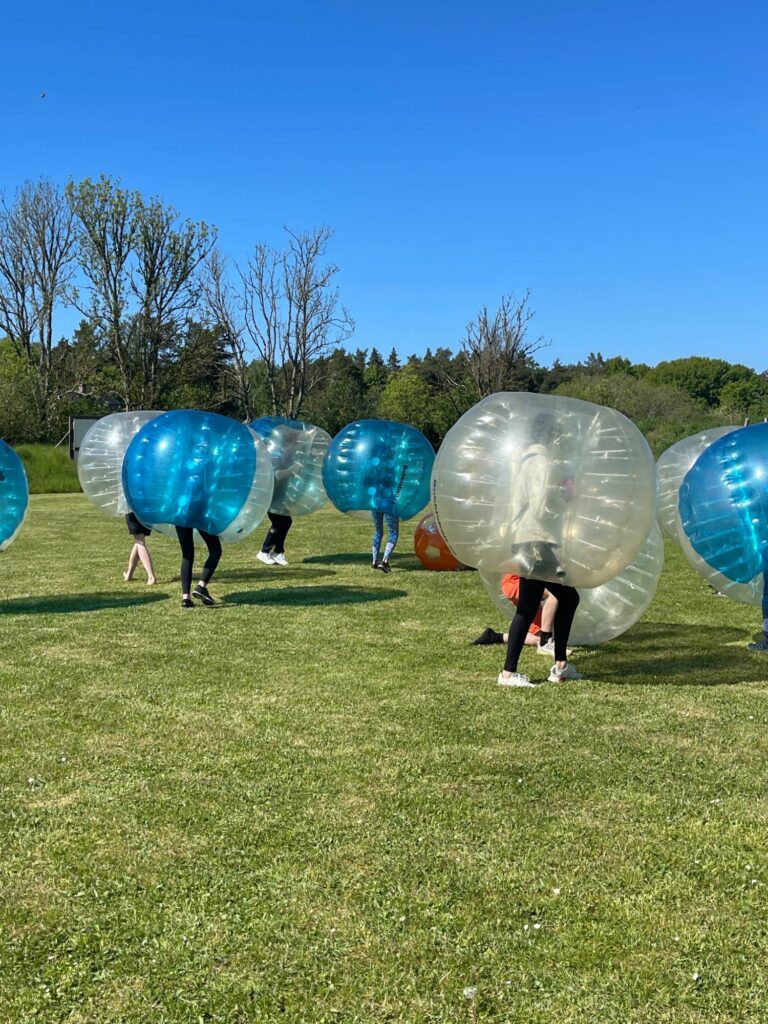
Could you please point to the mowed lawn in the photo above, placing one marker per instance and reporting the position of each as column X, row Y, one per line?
column 313, row 803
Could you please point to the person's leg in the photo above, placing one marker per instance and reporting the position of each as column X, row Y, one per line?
column 393, row 532
column 527, row 606
column 146, row 559
column 281, row 525
column 272, row 534
column 378, row 533
column 133, row 561
column 187, row 544
column 567, row 603
column 213, row 544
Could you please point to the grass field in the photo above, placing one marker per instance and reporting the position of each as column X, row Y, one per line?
column 312, row 802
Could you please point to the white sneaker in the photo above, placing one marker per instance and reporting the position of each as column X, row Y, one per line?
column 265, row 557
column 516, row 679
column 557, row 675
column 280, row 559
column 549, row 649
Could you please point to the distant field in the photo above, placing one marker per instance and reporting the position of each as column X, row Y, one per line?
column 312, row 803
column 49, row 470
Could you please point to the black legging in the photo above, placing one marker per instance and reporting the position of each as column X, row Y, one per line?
column 277, row 533
column 187, row 542
column 531, row 593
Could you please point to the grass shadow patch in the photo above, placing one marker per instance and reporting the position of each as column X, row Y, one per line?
column 56, row 604
column 302, row 596
column 291, row 573
column 664, row 653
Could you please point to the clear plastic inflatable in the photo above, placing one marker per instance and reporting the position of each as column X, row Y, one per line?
column 379, row 466
column 100, row 460
column 201, row 470
column 723, row 504
column 671, row 467
column 546, row 487
column 609, row 610
column 297, row 450
column 14, row 495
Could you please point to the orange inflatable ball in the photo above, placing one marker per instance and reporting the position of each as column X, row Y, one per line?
column 431, row 549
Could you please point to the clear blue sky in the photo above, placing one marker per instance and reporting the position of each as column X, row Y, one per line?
column 609, row 156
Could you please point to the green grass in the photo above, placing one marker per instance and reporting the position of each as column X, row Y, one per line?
column 49, row 470
column 312, row 803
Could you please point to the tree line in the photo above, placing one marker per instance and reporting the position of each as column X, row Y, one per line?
column 169, row 321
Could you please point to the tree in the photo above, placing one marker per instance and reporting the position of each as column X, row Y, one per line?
column 37, row 252
column 498, row 352
column 141, row 266
column 700, row 377
column 292, row 315
column 225, row 314
column 407, row 399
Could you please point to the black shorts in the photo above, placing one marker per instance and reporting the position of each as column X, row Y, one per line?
column 135, row 526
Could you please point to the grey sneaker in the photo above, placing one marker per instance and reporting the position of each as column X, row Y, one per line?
column 549, row 649
column 557, row 675
column 759, row 645
column 516, row 679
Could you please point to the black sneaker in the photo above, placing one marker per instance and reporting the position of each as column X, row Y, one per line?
column 201, row 593
column 488, row 636
column 187, row 602
column 385, row 567
column 380, row 566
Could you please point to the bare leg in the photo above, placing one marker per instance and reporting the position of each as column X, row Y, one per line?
column 146, row 558
column 133, row 561
column 548, row 610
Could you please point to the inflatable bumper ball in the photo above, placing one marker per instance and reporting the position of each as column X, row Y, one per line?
column 200, row 470
column 100, row 459
column 431, row 549
column 297, row 451
column 378, row 466
column 14, row 495
column 545, row 487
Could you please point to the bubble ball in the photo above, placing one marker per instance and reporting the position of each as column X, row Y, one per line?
column 609, row 610
column 723, row 503
column 14, row 495
column 100, row 459
column 431, row 549
column 198, row 469
column 546, row 487
column 297, row 450
column 671, row 467
column 379, row 466
column 742, row 593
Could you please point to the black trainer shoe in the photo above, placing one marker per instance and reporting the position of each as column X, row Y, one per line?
column 201, row 593
column 380, row 566
column 488, row 636
column 385, row 567
column 187, row 602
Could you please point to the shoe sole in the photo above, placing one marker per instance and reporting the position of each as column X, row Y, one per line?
column 206, row 600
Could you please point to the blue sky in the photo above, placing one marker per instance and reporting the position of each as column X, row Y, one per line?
column 609, row 156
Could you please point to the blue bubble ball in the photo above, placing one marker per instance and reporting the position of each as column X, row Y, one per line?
column 14, row 494
column 297, row 450
column 379, row 466
column 723, row 504
column 198, row 469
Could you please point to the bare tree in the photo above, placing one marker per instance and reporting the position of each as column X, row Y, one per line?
column 291, row 314
column 164, row 282
column 497, row 348
column 37, row 252
column 224, row 310
column 107, row 234
column 141, row 266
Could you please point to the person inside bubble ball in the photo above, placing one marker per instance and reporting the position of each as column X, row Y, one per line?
column 273, row 549
column 187, row 543
column 393, row 529
column 541, row 631
column 139, row 551
column 542, row 488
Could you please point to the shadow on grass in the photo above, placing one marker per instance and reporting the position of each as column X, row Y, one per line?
column 288, row 571
column 666, row 654
column 302, row 596
column 56, row 604
column 397, row 561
